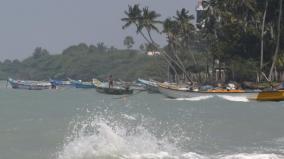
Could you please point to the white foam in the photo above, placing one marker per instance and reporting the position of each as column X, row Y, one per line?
column 192, row 155
column 103, row 139
column 234, row 98
column 253, row 156
column 128, row 117
column 194, row 98
column 97, row 138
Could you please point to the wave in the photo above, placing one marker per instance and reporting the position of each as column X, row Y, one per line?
column 100, row 138
column 253, row 156
column 107, row 137
column 195, row 98
column 234, row 98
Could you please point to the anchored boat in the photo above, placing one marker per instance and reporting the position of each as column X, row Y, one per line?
column 114, row 90
column 174, row 91
column 60, row 83
column 80, row 84
column 30, row 85
column 103, row 87
column 150, row 86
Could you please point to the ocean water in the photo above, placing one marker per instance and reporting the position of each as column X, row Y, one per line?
column 83, row 124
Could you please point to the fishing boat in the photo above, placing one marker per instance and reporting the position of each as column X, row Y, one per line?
column 81, row 84
column 150, row 86
column 103, row 87
column 114, row 90
column 174, row 91
column 29, row 85
column 60, row 83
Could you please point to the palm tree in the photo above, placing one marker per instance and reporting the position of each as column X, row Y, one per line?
column 133, row 17
column 186, row 29
column 277, row 42
column 262, row 35
column 128, row 42
column 147, row 20
column 171, row 29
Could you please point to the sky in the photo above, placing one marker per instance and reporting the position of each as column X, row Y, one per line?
column 57, row 24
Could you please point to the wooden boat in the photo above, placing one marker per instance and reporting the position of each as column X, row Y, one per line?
column 102, row 87
column 150, row 86
column 114, row 90
column 80, row 84
column 30, row 85
column 172, row 91
column 137, row 87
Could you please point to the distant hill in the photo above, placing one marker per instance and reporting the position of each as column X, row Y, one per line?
column 85, row 62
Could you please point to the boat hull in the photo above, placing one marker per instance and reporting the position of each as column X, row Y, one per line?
column 59, row 83
column 150, row 86
column 79, row 84
column 277, row 95
column 114, row 91
column 29, row 85
column 270, row 96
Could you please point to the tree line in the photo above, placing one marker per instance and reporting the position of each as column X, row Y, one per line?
column 84, row 62
column 242, row 38
column 233, row 40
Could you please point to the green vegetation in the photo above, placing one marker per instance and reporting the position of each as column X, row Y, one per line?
column 233, row 40
column 241, row 38
column 84, row 62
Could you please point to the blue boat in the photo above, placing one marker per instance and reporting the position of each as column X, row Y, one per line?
column 29, row 85
column 60, row 83
column 80, row 84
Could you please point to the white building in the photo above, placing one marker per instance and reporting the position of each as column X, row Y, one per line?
column 153, row 53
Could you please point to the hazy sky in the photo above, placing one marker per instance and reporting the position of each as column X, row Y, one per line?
column 57, row 24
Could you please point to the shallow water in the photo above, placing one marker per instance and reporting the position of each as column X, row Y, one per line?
column 82, row 124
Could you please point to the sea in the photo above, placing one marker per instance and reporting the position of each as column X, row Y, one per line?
column 70, row 123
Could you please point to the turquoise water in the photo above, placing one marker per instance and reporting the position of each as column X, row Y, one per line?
column 82, row 124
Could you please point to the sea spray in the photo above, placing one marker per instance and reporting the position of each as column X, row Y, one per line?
column 109, row 137
column 107, row 134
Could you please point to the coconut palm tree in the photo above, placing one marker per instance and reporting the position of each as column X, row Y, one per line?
column 277, row 42
column 187, row 29
column 149, row 20
column 262, row 35
column 133, row 17
column 146, row 19
column 128, row 42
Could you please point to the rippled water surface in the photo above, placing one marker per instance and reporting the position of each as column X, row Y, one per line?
column 82, row 124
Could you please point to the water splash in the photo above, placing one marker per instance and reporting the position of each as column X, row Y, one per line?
column 101, row 138
column 234, row 98
column 118, row 136
column 128, row 117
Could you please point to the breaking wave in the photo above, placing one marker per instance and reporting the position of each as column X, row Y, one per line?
column 234, row 98
column 195, row 98
column 97, row 138
column 253, row 156
column 124, row 136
